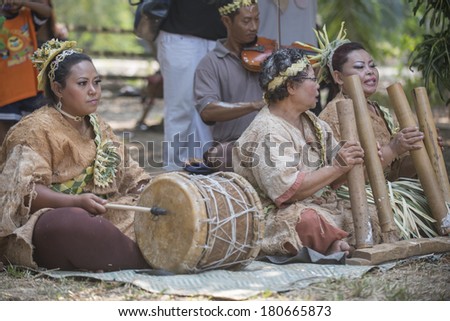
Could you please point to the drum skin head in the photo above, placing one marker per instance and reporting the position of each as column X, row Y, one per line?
column 172, row 241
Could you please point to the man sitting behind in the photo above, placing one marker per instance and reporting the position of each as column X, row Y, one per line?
column 227, row 95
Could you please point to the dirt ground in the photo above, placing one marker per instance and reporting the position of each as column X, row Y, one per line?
column 419, row 279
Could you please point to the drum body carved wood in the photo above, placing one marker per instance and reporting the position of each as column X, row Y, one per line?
column 212, row 222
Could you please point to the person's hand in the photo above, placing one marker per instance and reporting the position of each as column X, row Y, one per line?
column 61, row 31
column 13, row 2
column 380, row 151
column 258, row 105
column 440, row 140
column 405, row 140
column 91, row 203
column 350, row 154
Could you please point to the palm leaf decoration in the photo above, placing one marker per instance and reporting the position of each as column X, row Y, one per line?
column 412, row 214
column 324, row 51
column 105, row 164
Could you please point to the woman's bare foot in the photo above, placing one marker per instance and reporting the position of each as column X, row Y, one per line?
column 339, row 246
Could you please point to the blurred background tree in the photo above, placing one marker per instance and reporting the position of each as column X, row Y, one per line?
column 392, row 31
column 377, row 24
column 114, row 15
column 432, row 55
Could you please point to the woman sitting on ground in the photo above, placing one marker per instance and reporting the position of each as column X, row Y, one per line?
column 292, row 158
column 350, row 58
column 59, row 167
column 341, row 58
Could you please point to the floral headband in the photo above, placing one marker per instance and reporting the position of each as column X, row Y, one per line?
column 293, row 70
column 52, row 52
column 325, row 52
column 235, row 5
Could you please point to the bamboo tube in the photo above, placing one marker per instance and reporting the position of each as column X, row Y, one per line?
column 355, row 178
column 434, row 151
column 352, row 86
column 421, row 161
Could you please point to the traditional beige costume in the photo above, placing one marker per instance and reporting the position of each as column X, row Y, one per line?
column 274, row 156
column 383, row 123
column 43, row 148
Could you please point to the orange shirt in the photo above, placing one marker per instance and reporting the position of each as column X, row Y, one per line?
column 18, row 77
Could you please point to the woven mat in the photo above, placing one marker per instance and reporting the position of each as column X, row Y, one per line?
column 232, row 285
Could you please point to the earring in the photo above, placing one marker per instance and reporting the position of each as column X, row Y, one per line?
column 59, row 108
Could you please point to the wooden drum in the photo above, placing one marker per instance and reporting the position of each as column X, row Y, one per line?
column 211, row 222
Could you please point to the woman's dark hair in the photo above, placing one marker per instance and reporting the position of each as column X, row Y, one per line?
column 61, row 74
column 276, row 63
column 340, row 55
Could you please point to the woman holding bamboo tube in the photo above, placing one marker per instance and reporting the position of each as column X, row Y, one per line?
column 342, row 58
column 292, row 158
column 352, row 59
column 59, row 167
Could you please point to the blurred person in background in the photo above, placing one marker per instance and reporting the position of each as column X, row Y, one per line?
column 297, row 20
column 52, row 28
column 287, row 21
column 186, row 35
column 227, row 94
column 19, row 95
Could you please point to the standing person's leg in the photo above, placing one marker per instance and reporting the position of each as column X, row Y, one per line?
column 178, row 56
column 199, row 134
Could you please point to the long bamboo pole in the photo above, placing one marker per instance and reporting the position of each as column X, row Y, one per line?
column 421, row 161
column 353, row 87
column 428, row 127
column 355, row 178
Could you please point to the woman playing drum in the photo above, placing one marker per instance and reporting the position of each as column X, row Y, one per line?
column 59, row 167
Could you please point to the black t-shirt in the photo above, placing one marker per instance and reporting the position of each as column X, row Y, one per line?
column 195, row 18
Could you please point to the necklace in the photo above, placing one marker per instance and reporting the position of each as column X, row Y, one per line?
column 76, row 118
column 320, row 135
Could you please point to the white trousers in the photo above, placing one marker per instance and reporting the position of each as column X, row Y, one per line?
column 185, row 134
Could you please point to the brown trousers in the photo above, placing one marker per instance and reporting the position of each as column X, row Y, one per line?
column 316, row 233
column 72, row 239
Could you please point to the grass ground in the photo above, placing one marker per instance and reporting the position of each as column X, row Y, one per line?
column 420, row 279
column 425, row 279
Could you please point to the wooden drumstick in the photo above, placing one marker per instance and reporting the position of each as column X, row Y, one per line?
column 421, row 161
column 434, row 151
column 352, row 86
column 355, row 178
column 154, row 210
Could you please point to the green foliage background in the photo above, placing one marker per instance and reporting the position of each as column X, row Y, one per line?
column 395, row 32
column 389, row 29
column 100, row 14
column 386, row 27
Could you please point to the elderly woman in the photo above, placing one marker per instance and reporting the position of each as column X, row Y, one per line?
column 59, row 167
column 291, row 157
